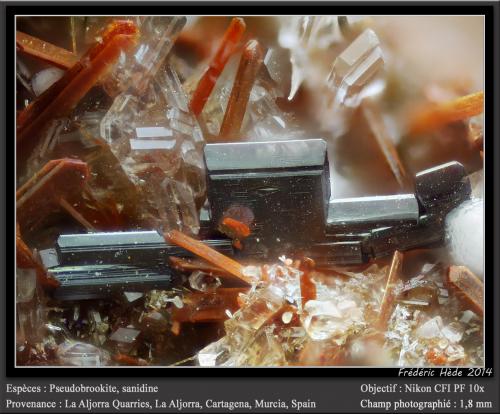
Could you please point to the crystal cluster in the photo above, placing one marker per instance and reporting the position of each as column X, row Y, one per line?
column 274, row 318
column 416, row 337
column 159, row 145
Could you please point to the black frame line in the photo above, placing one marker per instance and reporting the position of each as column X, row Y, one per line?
column 490, row 12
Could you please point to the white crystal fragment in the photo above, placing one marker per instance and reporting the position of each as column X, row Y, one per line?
column 252, row 272
column 44, row 79
column 81, row 354
column 214, row 354
column 426, row 268
column 453, row 332
column 151, row 132
column 465, row 235
column 325, row 319
column 455, row 352
column 287, row 317
column 430, row 329
column 468, row 316
column 151, row 144
column 177, row 301
column 133, row 296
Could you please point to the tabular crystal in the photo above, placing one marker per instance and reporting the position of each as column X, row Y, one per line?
column 81, row 354
column 354, row 68
column 272, row 179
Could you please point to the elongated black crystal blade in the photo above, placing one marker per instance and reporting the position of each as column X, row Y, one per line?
column 442, row 188
column 147, row 248
column 371, row 212
column 427, row 233
column 96, row 282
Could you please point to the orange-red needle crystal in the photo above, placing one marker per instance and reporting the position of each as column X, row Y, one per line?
column 228, row 46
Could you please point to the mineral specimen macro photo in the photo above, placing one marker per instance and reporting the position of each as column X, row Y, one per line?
column 224, row 191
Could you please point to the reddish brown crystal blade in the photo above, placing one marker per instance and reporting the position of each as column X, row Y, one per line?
column 468, row 287
column 208, row 306
column 210, row 255
column 435, row 116
column 307, row 286
column 29, row 114
column 436, row 358
column 277, row 318
column 76, row 89
column 228, row 46
column 249, row 66
column 129, row 360
column 45, row 51
column 99, row 214
column 191, row 265
column 33, row 110
column 389, row 151
column 115, row 28
column 75, row 214
column 57, row 179
column 388, row 298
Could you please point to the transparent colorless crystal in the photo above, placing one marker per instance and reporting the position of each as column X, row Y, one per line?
column 455, row 352
column 330, row 319
column 132, row 296
column 215, row 108
column 354, row 68
column 477, row 183
column 264, row 350
column 264, row 120
column 180, row 210
column 159, row 145
column 253, row 272
column 125, row 335
column 25, row 285
column 134, row 70
column 303, row 35
column 99, row 325
column 276, row 63
column 468, row 316
column 260, row 305
column 453, row 332
column 158, row 299
column 214, row 354
column 430, row 329
column 203, row 282
column 81, row 354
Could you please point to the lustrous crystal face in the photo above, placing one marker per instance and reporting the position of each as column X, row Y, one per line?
column 299, row 192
